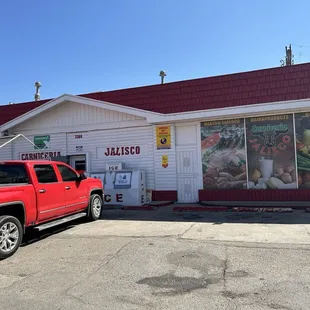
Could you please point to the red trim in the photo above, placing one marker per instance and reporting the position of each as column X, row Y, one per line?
column 255, row 195
column 164, row 196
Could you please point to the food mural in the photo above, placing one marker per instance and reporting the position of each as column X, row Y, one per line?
column 223, row 154
column 302, row 128
column 271, row 152
column 257, row 152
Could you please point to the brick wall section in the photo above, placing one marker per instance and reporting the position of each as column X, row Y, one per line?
column 261, row 86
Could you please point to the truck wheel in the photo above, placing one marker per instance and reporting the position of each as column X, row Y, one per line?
column 95, row 207
column 11, row 235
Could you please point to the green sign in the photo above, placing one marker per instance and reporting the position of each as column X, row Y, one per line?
column 42, row 142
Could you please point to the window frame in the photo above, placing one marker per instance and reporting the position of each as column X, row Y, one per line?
column 18, row 165
column 70, row 169
column 45, row 165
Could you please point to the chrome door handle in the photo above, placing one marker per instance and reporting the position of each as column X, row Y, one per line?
column 42, row 191
column 67, row 188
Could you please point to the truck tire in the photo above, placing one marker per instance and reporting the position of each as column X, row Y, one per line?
column 95, row 206
column 11, row 235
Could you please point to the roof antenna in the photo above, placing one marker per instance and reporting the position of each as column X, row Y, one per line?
column 162, row 75
column 37, row 94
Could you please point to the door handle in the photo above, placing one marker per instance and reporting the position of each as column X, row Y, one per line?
column 67, row 188
column 42, row 191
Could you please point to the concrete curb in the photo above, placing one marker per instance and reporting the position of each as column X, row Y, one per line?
column 145, row 208
column 161, row 204
column 268, row 210
column 200, row 209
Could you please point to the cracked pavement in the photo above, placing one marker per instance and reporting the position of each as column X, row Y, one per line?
column 147, row 260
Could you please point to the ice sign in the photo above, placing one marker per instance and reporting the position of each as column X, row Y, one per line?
column 123, row 179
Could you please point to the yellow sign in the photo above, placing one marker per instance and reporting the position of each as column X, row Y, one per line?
column 164, row 161
column 163, row 137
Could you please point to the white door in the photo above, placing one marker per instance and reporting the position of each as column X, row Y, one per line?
column 78, row 163
column 187, row 174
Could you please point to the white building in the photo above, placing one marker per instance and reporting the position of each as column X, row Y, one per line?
column 94, row 132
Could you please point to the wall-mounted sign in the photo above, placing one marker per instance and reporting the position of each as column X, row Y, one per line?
column 164, row 161
column 122, row 150
column 163, row 137
column 39, row 155
column 78, row 136
column 42, row 142
column 79, row 148
column 113, row 167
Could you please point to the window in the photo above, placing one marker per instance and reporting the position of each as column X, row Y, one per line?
column 45, row 174
column 13, row 174
column 67, row 174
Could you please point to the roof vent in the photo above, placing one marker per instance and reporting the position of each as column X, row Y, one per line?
column 11, row 103
column 162, row 75
column 37, row 94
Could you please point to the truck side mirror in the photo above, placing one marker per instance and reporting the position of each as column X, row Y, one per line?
column 82, row 177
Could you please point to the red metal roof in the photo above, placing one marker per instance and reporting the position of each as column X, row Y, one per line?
column 260, row 86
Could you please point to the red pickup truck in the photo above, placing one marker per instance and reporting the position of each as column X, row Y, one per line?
column 42, row 194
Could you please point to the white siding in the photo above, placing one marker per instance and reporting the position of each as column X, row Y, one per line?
column 6, row 151
column 165, row 178
column 98, row 141
column 74, row 114
column 78, row 139
column 20, row 145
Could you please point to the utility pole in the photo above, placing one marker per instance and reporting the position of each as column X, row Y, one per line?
column 288, row 57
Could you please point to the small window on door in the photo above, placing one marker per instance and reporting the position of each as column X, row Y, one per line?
column 80, row 166
column 67, row 174
column 45, row 174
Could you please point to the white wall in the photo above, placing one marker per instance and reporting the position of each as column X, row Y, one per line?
column 75, row 114
column 6, row 151
column 165, row 178
column 72, row 117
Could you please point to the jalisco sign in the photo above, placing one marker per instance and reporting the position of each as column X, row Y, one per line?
column 122, row 150
column 39, row 155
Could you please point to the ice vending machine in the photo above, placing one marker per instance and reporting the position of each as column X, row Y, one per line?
column 123, row 187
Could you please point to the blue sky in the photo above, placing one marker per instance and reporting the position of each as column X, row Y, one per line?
column 79, row 46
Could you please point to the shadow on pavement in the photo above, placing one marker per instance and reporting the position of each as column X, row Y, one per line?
column 33, row 236
column 217, row 218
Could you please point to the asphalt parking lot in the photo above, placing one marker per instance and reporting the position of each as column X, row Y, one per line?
column 149, row 260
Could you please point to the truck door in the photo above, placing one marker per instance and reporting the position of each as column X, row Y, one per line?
column 76, row 192
column 50, row 193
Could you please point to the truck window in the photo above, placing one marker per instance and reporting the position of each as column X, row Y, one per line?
column 45, row 174
column 67, row 174
column 13, row 174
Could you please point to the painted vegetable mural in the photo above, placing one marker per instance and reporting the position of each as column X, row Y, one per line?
column 302, row 128
column 271, row 152
column 223, row 154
